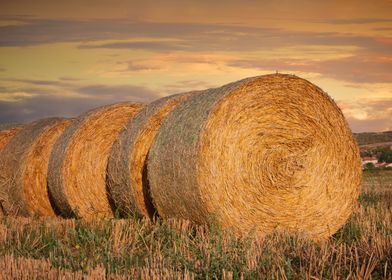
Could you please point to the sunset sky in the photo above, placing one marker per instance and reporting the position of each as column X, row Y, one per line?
column 60, row 58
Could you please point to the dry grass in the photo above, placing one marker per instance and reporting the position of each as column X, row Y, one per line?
column 123, row 249
column 77, row 168
column 265, row 153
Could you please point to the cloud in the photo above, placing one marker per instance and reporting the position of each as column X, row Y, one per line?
column 220, row 38
column 245, row 12
column 358, row 69
column 16, row 96
column 41, row 31
column 358, row 20
column 140, row 45
column 37, row 31
column 369, row 62
column 69, row 79
column 42, row 82
column 118, row 93
column 27, row 110
column 139, row 66
column 175, row 36
column 371, row 125
column 187, row 85
column 369, row 114
column 28, row 104
column 382, row 28
column 162, row 61
column 204, row 47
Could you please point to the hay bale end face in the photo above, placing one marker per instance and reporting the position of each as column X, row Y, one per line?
column 24, row 166
column 265, row 153
column 126, row 182
column 77, row 168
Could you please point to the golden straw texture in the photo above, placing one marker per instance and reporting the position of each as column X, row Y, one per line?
column 24, row 167
column 267, row 153
column 77, row 168
column 7, row 132
column 126, row 180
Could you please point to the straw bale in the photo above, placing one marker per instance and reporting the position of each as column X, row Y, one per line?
column 77, row 168
column 7, row 132
column 7, row 126
column 24, row 166
column 267, row 153
column 126, row 181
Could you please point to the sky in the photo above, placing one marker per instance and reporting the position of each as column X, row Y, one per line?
column 61, row 58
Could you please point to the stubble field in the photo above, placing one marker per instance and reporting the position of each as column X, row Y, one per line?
column 32, row 248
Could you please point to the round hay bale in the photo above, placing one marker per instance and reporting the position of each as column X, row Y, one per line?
column 9, row 126
column 7, row 131
column 268, row 153
column 77, row 168
column 126, row 181
column 24, row 167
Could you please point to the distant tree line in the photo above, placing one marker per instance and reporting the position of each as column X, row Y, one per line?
column 373, row 137
column 385, row 156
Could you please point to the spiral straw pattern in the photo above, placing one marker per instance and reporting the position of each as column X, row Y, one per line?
column 268, row 153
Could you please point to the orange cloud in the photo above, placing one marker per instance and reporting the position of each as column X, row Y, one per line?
column 86, row 53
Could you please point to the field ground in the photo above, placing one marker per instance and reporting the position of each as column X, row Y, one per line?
column 131, row 249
